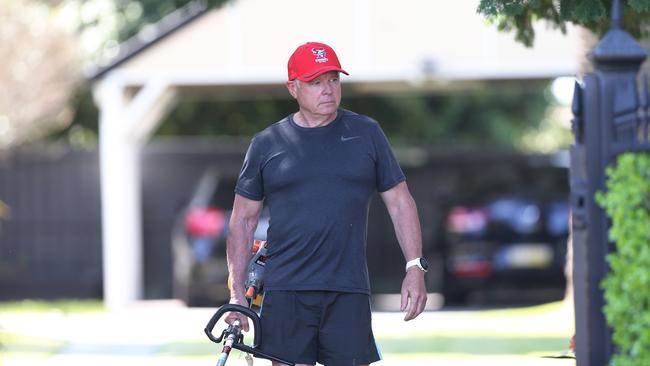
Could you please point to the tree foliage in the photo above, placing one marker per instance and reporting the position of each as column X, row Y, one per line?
column 103, row 24
column 100, row 26
column 151, row 12
column 519, row 15
column 497, row 116
column 39, row 72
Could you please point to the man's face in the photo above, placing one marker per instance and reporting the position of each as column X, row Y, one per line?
column 320, row 96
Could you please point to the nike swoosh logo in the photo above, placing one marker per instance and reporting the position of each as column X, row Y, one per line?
column 343, row 138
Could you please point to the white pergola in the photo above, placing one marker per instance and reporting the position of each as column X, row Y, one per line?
column 244, row 45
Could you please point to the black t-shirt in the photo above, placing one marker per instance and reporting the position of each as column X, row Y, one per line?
column 317, row 184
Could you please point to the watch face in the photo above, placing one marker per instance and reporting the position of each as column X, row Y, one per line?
column 424, row 263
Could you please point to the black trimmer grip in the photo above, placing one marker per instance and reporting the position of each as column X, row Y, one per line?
column 250, row 314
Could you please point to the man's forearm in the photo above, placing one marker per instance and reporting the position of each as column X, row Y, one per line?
column 407, row 228
column 404, row 214
column 240, row 239
column 243, row 222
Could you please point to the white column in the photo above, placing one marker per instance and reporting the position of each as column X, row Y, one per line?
column 124, row 126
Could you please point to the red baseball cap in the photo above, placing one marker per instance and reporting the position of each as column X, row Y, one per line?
column 311, row 60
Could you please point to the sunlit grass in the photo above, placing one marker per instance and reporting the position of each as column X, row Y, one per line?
column 501, row 337
column 24, row 350
column 475, row 345
column 42, row 306
column 525, row 334
column 21, row 349
column 526, row 311
column 15, row 343
column 403, row 347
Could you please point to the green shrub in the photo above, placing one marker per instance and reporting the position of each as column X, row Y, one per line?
column 627, row 285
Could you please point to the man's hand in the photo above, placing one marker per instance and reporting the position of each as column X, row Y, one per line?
column 243, row 319
column 414, row 293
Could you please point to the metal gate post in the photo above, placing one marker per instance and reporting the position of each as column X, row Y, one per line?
column 606, row 102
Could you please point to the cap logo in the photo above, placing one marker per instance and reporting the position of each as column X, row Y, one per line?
column 321, row 55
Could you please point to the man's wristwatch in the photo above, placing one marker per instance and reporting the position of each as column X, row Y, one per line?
column 421, row 263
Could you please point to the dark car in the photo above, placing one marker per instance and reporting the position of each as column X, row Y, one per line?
column 508, row 242
column 199, row 241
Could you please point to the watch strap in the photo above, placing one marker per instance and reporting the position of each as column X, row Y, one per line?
column 414, row 263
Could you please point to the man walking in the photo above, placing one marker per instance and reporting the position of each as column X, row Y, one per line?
column 316, row 170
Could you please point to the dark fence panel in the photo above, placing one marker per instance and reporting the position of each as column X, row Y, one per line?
column 50, row 243
column 50, row 246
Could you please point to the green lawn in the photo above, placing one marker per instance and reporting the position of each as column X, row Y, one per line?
column 64, row 306
column 522, row 336
column 433, row 346
column 519, row 336
column 473, row 345
column 22, row 350
column 19, row 349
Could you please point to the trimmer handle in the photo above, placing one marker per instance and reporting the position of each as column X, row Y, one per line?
column 250, row 314
column 253, row 349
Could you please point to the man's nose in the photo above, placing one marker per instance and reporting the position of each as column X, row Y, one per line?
column 327, row 88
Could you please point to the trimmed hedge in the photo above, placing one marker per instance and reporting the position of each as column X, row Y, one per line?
column 627, row 285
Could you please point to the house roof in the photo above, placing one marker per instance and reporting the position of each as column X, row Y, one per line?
column 149, row 36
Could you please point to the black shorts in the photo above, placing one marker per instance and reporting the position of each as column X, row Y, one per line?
column 331, row 328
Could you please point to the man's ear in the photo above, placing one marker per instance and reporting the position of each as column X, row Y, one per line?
column 291, row 86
